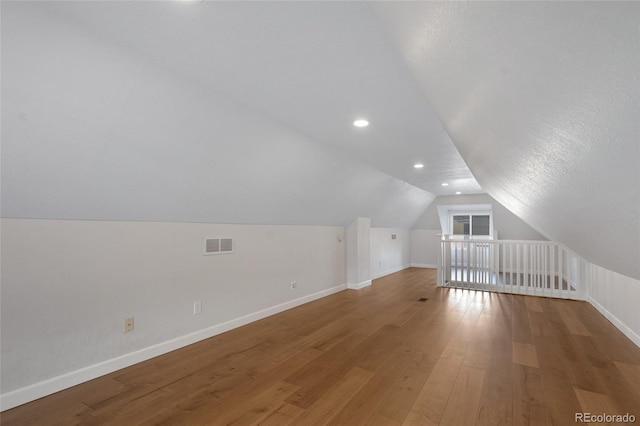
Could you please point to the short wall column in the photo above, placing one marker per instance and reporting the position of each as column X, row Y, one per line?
column 359, row 253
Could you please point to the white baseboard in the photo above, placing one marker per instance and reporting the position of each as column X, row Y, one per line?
column 390, row 271
column 635, row 338
column 38, row 390
column 424, row 265
column 360, row 285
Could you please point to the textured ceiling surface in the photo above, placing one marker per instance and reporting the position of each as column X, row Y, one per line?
column 242, row 111
column 542, row 99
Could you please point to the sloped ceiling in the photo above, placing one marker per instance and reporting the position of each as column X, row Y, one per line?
column 240, row 112
column 214, row 112
column 542, row 99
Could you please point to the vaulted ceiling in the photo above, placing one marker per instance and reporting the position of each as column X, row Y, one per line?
column 241, row 112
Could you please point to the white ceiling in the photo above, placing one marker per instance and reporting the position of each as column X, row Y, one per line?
column 313, row 66
column 542, row 99
column 97, row 125
column 242, row 111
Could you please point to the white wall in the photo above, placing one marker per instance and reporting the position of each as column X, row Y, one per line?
column 67, row 287
column 616, row 296
column 424, row 243
column 506, row 224
column 424, row 247
column 387, row 255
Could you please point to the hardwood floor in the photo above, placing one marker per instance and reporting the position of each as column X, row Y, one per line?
column 376, row 356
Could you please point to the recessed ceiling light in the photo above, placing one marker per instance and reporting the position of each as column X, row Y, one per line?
column 445, row 184
column 361, row 123
column 418, row 165
column 458, row 192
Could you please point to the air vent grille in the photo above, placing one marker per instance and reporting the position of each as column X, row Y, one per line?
column 211, row 246
column 218, row 246
column 226, row 245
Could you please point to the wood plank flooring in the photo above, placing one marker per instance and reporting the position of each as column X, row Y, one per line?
column 376, row 356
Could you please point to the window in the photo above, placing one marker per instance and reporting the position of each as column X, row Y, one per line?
column 480, row 225
column 461, row 225
column 466, row 221
column 469, row 224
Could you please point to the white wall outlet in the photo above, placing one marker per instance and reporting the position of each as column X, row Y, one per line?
column 128, row 324
column 294, row 285
column 197, row 307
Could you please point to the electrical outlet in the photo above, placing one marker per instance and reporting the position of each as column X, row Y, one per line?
column 294, row 285
column 128, row 325
column 197, row 307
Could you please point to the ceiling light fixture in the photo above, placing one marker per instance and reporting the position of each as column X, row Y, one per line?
column 418, row 165
column 445, row 184
column 458, row 192
column 361, row 123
